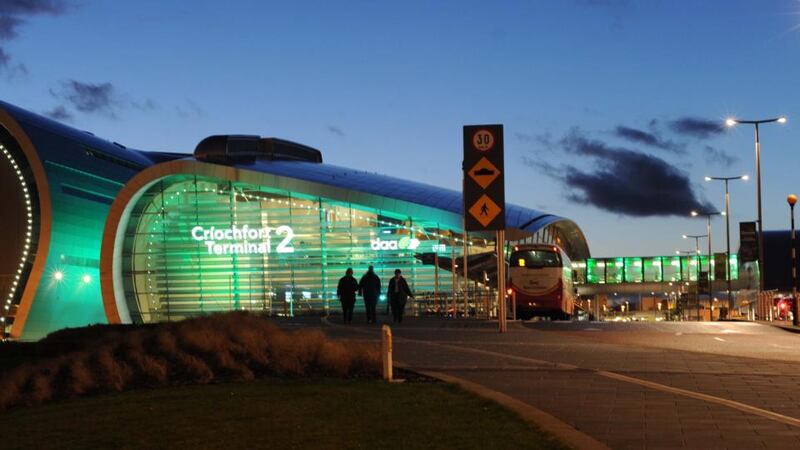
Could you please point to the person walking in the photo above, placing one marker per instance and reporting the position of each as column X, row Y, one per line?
column 348, row 286
column 399, row 292
column 370, row 288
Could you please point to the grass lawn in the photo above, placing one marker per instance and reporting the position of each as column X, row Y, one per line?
column 271, row 413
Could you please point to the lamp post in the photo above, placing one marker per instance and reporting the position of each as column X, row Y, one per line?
column 708, row 215
column 728, row 231
column 731, row 122
column 792, row 199
column 696, row 238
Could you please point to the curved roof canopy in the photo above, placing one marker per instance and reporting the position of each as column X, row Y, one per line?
column 290, row 160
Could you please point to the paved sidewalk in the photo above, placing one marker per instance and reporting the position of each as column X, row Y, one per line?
column 625, row 396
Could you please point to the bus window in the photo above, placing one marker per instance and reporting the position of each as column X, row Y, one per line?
column 535, row 259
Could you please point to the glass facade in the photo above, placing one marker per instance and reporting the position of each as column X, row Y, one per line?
column 649, row 269
column 197, row 245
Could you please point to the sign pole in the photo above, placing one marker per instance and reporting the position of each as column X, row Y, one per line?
column 484, row 197
column 501, row 281
column 465, row 251
column 454, row 272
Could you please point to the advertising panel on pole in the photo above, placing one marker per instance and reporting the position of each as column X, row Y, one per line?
column 702, row 284
column 484, row 183
column 720, row 268
column 748, row 242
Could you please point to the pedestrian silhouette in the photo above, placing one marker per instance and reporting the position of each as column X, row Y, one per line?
column 370, row 288
column 348, row 286
column 484, row 210
column 399, row 292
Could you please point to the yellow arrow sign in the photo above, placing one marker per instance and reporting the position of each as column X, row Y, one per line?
column 485, row 210
column 484, row 172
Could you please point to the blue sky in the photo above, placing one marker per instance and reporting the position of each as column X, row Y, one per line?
column 387, row 86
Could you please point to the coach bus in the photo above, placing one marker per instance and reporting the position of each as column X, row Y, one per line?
column 540, row 282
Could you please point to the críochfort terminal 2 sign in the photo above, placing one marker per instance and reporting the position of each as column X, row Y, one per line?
column 244, row 240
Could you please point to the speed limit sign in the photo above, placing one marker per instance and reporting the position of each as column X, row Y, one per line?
column 483, row 140
column 484, row 187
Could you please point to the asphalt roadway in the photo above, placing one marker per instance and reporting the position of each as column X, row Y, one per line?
column 620, row 385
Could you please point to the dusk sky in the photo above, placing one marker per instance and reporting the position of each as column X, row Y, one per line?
column 613, row 110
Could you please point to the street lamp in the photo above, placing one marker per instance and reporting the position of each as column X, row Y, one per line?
column 728, row 230
column 708, row 215
column 792, row 199
column 696, row 238
column 731, row 122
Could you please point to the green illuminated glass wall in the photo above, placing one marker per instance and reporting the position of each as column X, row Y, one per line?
column 633, row 270
column 197, row 245
column 69, row 292
column 651, row 269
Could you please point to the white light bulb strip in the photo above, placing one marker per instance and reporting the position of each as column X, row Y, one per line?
column 254, row 197
column 15, row 284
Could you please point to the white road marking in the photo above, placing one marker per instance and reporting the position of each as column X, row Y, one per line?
column 788, row 420
column 679, row 334
column 719, row 339
column 592, row 329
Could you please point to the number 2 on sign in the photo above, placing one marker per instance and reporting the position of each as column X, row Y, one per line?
column 483, row 140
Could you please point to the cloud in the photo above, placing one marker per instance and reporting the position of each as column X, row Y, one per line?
column 8, row 27
column 621, row 180
column 12, row 16
column 522, row 137
column 90, row 98
column 190, row 109
column 147, row 105
column 33, row 7
column 648, row 138
column 616, row 9
column 716, row 156
column 601, row 3
column 697, row 127
column 335, row 130
column 59, row 113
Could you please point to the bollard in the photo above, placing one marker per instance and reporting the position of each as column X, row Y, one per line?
column 386, row 352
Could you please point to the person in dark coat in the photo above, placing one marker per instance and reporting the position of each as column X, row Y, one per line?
column 370, row 288
column 398, row 292
column 348, row 286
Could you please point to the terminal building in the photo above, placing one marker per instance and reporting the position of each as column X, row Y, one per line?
column 95, row 232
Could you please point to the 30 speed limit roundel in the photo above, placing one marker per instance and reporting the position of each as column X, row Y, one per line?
column 483, row 140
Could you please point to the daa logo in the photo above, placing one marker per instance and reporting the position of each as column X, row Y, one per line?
column 405, row 243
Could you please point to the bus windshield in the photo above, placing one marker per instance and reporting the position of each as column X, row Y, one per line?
column 535, row 259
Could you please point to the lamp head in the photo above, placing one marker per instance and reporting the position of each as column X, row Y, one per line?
column 745, row 177
column 782, row 119
column 791, row 199
column 707, row 178
column 723, row 213
column 730, row 121
column 694, row 213
column 685, row 236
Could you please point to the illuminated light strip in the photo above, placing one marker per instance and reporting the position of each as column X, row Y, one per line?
column 26, row 248
column 315, row 208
